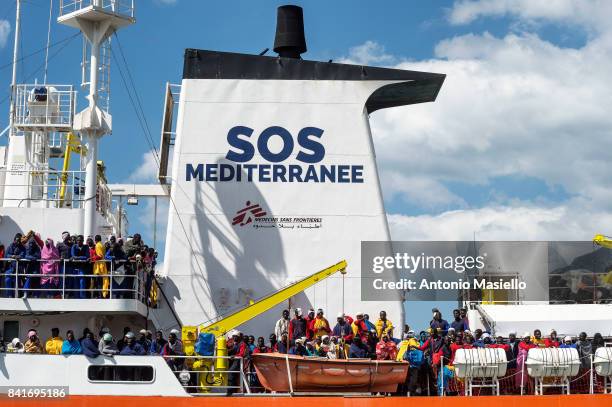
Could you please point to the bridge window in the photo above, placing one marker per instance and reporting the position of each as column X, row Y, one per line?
column 142, row 374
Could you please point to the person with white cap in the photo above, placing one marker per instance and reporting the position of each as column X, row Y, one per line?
column 143, row 341
column 15, row 346
column 299, row 348
column 132, row 347
column 33, row 344
column 568, row 342
column 297, row 326
column 108, row 347
column 343, row 329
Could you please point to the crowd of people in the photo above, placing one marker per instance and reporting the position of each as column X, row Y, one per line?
column 430, row 353
column 76, row 267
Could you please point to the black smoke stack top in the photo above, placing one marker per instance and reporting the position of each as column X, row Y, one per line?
column 290, row 41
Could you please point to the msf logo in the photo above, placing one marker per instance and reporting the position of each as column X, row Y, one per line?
column 246, row 215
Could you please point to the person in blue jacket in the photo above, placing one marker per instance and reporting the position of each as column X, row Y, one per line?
column 132, row 347
column 32, row 255
column 158, row 344
column 90, row 346
column 80, row 259
column 71, row 345
column 15, row 251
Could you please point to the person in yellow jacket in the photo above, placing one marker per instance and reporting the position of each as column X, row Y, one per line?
column 537, row 339
column 384, row 326
column 53, row 346
column 405, row 345
column 99, row 268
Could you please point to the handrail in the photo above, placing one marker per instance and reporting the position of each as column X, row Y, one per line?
column 141, row 276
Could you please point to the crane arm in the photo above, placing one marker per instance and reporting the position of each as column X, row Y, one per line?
column 258, row 307
column 603, row 241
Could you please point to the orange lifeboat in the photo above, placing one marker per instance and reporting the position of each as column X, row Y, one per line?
column 315, row 374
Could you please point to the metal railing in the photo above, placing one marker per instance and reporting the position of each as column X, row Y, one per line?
column 579, row 286
column 127, row 279
column 484, row 296
column 199, row 375
column 44, row 107
column 119, row 7
column 45, row 186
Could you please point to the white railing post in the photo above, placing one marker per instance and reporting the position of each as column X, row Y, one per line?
column 16, row 278
column 64, row 280
column 522, row 372
column 110, row 280
column 441, row 376
column 591, row 384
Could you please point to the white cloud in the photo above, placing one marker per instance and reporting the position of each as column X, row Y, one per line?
column 591, row 14
column 5, row 30
column 510, row 105
column 565, row 222
column 146, row 171
column 368, row 53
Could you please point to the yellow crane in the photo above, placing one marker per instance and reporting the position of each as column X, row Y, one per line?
column 73, row 145
column 603, row 241
column 228, row 322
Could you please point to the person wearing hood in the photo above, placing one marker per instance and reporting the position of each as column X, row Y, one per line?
column 585, row 349
column 174, row 347
column 343, row 329
column 80, row 264
column 71, row 346
column 299, row 349
column 143, row 340
column 568, row 343
column 406, row 344
column 90, row 346
column 107, row 346
column 32, row 255
column 319, row 325
column 15, row 251
column 132, row 347
column 15, row 346
column 53, row 346
column 49, row 268
column 33, row 344
column 597, row 342
column 384, row 326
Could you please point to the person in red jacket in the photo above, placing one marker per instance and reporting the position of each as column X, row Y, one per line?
column 309, row 323
column 261, row 346
column 552, row 340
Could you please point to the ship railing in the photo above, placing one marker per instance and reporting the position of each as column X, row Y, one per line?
column 44, row 107
column 580, row 287
column 200, row 376
column 44, row 186
column 517, row 381
column 75, row 280
column 119, row 7
column 483, row 296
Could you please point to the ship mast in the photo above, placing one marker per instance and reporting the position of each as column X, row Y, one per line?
column 97, row 20
column 14, row 77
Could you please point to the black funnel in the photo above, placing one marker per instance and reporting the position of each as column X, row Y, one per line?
column 290, row 41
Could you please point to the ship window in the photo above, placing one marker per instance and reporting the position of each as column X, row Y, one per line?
column 120, row 373
column 10, row 330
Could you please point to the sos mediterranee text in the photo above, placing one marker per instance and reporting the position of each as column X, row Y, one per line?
column 310, row 153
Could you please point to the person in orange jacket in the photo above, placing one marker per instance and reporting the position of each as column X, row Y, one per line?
column 319, row 326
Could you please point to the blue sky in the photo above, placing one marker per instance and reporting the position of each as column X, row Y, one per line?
column 516, row 147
